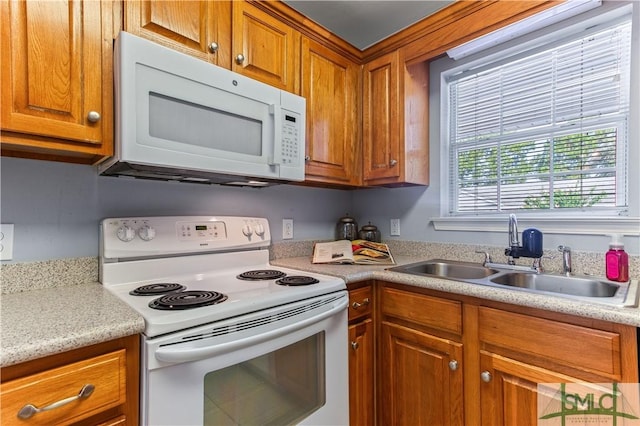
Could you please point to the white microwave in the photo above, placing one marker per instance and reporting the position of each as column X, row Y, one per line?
column 179, row 118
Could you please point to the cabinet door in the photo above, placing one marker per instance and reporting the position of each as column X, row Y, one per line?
column 381, row 118
column 57, row 77
column 508, row 392
column 197, row 28
column 361, row 373
column 396, row 122
column 265, row 48
column 421, row 378
column 330, row 83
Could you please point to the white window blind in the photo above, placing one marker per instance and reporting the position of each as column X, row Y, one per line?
column 545, row 131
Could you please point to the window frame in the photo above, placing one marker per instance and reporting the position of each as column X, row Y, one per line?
column 586, row 222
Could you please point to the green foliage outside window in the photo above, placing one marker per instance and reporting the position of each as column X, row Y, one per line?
column 584, row 160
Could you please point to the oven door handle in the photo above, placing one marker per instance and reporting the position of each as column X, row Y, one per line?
column 177, row 354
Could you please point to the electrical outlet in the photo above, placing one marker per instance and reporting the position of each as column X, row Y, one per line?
column 6, row 241
column 287, row 229
column 395, row 227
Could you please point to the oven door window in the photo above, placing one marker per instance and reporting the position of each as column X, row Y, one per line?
column 279, row 388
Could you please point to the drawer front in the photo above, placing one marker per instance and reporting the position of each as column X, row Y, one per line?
column 433, row 312
column 360, row 303
column 571, row 345
column 107, row 373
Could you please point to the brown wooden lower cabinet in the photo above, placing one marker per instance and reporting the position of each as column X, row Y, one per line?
column 361, row 373
column 109, row 372
column 509, row 390
column 361, row 355
column 446, row 359
column 420, row 378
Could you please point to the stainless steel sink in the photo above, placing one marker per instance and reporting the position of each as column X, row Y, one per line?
column 447, row 269
column 583, row 288
column 576, row 286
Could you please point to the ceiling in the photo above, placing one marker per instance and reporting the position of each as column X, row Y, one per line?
column 364, row 23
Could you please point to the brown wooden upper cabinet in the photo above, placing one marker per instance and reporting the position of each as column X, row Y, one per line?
column 235, row 35
column 265, row 48
column 57, row 80
column 395, row 122
column 365, row 126
column 197, row 28
column 330, row 84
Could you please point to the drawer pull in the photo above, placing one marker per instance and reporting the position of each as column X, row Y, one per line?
column 356, row 305
column 355, row 345
column 29, row 410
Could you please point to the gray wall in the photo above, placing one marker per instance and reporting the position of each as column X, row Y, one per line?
column 56, row 207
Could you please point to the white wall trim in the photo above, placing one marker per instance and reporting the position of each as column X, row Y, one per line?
column 629, row 226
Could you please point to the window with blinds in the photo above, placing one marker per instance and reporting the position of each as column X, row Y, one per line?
column 544, row 131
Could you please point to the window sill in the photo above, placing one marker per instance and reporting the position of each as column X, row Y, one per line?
column 601, row 225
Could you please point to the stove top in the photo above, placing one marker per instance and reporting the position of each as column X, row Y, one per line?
column 223, row 270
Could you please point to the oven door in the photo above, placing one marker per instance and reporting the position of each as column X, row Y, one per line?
column 286, row 365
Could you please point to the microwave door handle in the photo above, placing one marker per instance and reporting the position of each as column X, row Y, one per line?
column 175, row 353
column 276, row 144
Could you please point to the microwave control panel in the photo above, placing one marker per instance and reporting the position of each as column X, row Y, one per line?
column 291, row 138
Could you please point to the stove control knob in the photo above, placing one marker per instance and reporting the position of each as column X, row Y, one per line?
column 147, row 233
column 247, row 231
column 259, row 229
column 126, row 233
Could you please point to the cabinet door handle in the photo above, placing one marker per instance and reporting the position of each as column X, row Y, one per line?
column 453, row 365
column 29, row 410
column 485, row 376
column 93, row 116
column 393, row 162
column 354, row 345
column 213, row 47
column 356, row 305
column 240, row 59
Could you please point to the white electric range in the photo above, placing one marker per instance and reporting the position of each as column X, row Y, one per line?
column 211, row 302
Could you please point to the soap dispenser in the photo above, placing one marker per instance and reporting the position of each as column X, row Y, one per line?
column 617, row 260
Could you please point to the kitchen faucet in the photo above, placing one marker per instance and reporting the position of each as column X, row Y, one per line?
column 566, row 259
column 514, row 243
column 531, row 247
column 531, row 242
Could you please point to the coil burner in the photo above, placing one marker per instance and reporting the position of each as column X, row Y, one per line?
column 157, row 289
column 261, row 274
column 297, row 280
column 187, row 299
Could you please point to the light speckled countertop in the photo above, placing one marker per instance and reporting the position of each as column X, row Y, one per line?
column 44, row 322
column 56, row 306
column 353, row 273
